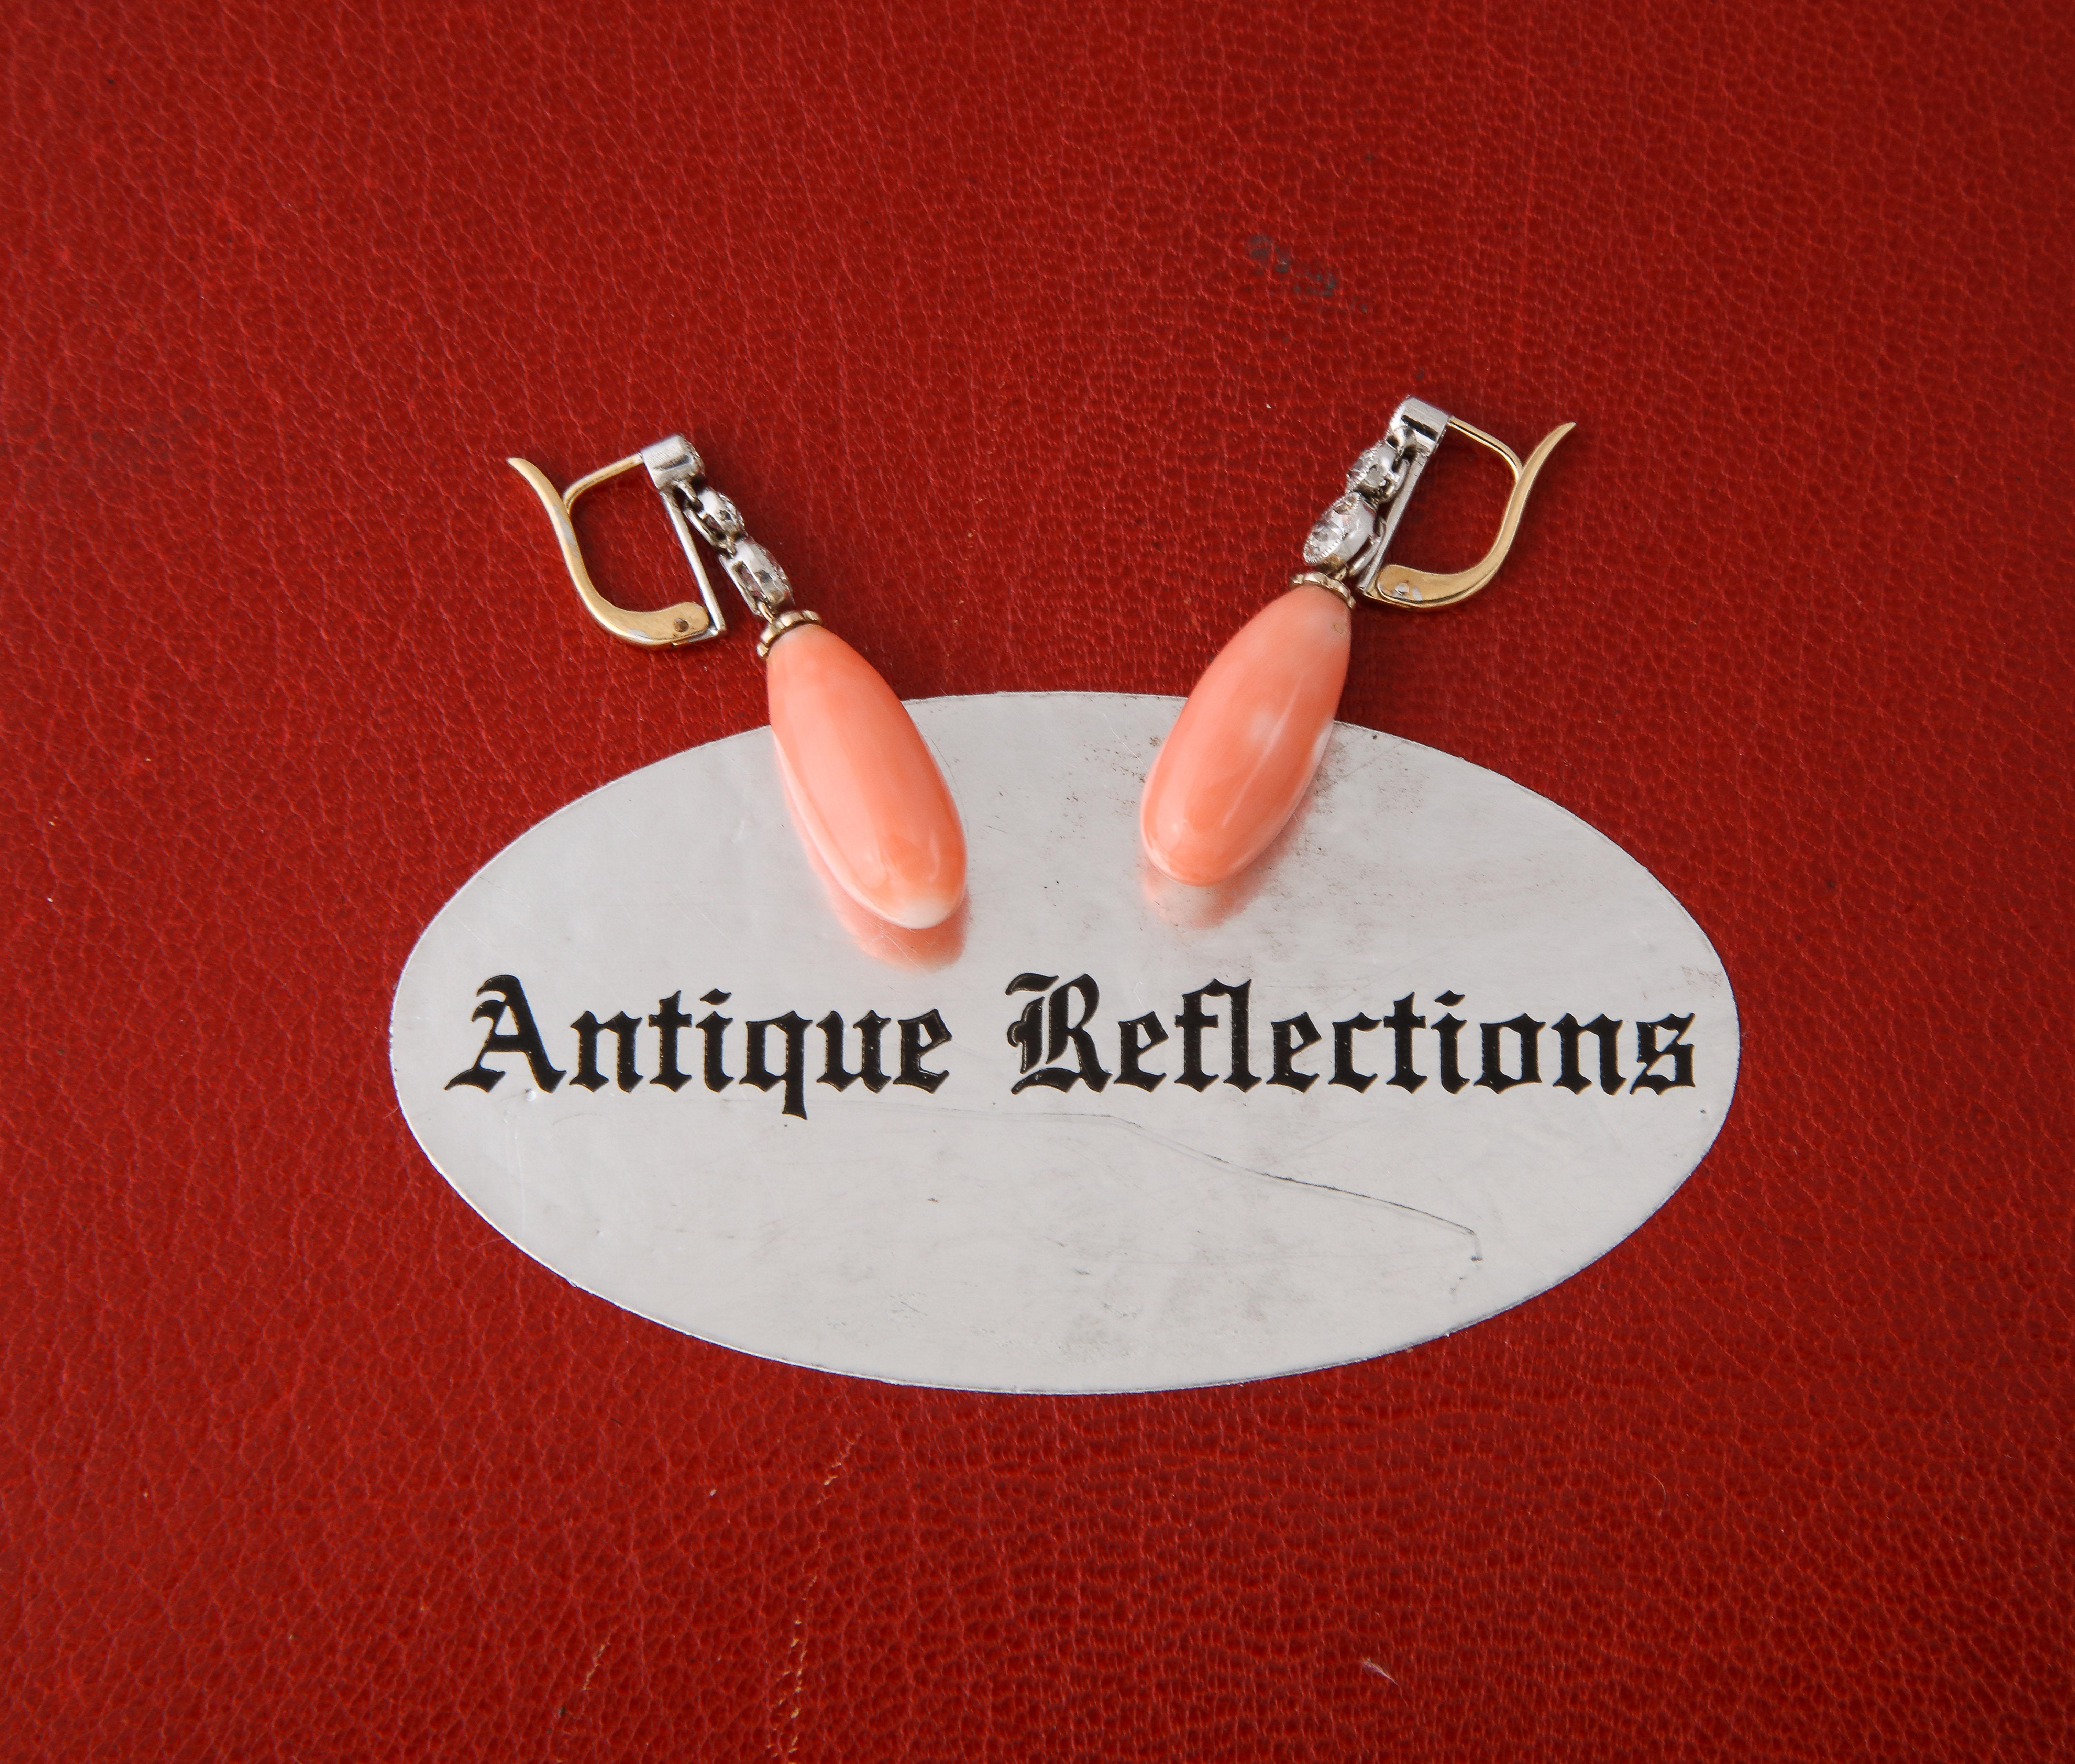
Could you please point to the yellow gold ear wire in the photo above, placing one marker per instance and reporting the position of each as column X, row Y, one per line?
column 687, row 622
column 1397, row 585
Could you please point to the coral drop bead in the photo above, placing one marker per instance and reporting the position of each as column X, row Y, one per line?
column 864, row 783
column 1236, row 763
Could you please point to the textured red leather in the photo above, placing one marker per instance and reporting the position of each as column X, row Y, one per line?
column 1032, row 339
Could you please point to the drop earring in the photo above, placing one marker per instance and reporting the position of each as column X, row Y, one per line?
column 865, row 788
column 1243, row 750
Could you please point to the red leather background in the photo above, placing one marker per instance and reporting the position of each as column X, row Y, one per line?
column 1031, row 339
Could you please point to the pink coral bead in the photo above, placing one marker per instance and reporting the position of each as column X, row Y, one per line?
column 865, row 786
column 1240, row 755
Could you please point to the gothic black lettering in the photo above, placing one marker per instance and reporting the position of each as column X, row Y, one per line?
column 711, row 1027
column 1135, row 1037
column 1192, row 1022
column 1495, row 1077
column 1026, row 1034
column 1291, row 1037
column 669, row 1018
column 1059, row 1035
column 1448, row 1028
column 756, row 1068
column 835, row 1074
column 870, row 1027
column 1241, row 1076
column 1401, row 1023
column 1344, row 1052
column 1056, row 1035
column 624, row 1029
column 1678, row 1049
column 1606, row 1030
column 913, row 1047
column 522, row 1037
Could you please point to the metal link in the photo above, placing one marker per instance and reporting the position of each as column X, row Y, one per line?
column 1350, row 539
column 756, row 575
column 718, row 520
column 679, row 474
column 1380, row 473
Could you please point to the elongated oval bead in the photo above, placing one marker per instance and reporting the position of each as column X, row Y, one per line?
column 865, row 784
column 1238, row 759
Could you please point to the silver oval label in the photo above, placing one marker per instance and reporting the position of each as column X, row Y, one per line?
column 1444, row 1046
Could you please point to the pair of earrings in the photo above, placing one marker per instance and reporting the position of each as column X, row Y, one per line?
column 865, row 788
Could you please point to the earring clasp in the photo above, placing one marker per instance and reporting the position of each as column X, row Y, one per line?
column 674, row 468
column 1346, row 549
column 693, row 504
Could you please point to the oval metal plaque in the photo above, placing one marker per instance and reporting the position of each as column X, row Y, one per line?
column 1443, row 1047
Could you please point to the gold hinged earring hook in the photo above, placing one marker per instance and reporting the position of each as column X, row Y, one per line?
column 1399, row 585
column 1346, row 549
column 670, row 463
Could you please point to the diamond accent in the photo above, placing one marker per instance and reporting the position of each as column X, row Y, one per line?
column 1377, row 471
column 761, row 579
column 1341, row 532
column 721, row 520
